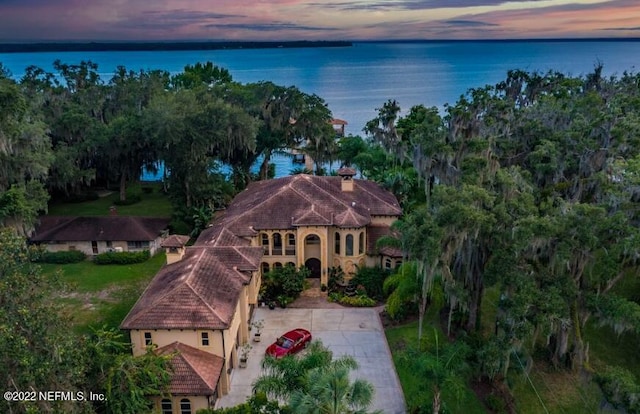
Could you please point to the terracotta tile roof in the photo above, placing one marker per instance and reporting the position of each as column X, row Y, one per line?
column 218, row 235
column 200, row 291
column 350, row 218
column 175, row 240
column 195, row 372
column 301, row 199
column 103, row 228
column 374, row 233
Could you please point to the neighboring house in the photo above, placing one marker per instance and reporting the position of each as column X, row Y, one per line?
column 201, row 301
column 95, row 235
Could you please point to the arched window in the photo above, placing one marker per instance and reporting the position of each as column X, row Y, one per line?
column 336, row 248
column 265, row 243
column 290, row 249
column 277, row 265
column 312, row 239
column 277, row 244
column 185, row 406
column 165, row 406
column 291, row 264
column 265, row 268
column 349, row 245
column 361, row 243
column 387, row 263
column 398, row 263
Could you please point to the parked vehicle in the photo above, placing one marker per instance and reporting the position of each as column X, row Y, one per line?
column 289, row 343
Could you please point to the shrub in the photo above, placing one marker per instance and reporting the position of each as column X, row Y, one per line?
column 132, row 199
column 286, row 282
column 71, row 256
column 147, row 190
column 372, row 279
column 335, row 297
column 361, row 301
column 121, row 257
column 336, row 278
column 620, row 388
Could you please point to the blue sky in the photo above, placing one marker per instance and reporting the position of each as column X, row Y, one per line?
column 31, row 20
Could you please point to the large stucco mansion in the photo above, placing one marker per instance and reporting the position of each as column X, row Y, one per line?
column 200, row 303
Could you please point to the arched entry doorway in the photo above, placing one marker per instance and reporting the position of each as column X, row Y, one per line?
column 313, row 265
column 312, row 254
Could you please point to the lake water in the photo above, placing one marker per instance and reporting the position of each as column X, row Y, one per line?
column 356, row 80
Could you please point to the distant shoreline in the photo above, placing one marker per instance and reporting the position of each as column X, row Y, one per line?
column 158, row 46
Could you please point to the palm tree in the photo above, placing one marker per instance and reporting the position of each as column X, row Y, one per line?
column 443, row 368
column 314, row 382
column 281, row 377
column 329, row 391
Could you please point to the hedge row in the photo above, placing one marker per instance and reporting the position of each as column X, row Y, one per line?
column 121, row 257
column 71, row 256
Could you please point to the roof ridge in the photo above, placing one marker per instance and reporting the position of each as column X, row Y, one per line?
column 372, row 194
column 63, row 224
column 188, row 283
column 264, row 200
column 237, row 249
column 188, row 362
column 160, row 298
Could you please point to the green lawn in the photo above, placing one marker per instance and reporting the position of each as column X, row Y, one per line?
column 88, row 277
column 412, row 385
column 154, row 204
column 103, row 295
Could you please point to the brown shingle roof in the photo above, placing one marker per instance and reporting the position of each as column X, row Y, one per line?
column 103, row 228
column 175, row 240
column 301, row 199
column 200, row 291
column 195, row 372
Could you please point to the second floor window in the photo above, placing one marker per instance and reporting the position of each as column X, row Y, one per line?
column 349, row 245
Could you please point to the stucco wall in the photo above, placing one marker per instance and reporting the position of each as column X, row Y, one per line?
column 86, row 247
column 162, row 337
column 197, row 403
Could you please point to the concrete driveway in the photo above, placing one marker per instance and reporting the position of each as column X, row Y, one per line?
column 351, row 331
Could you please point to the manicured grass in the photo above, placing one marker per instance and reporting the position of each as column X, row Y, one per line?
column 416, row 392
column 155, row 204
column 103, row 295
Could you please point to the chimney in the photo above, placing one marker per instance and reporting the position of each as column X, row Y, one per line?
column 174, row 246
column 347, row 174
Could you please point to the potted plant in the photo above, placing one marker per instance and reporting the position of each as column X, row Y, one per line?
column 244, row 354
column 259, row 324
column 272, row 305
column 323, row 287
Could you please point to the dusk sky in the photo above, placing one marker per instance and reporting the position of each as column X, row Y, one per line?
column 33, row 20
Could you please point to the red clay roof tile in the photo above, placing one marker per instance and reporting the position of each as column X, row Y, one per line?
column 195, row 372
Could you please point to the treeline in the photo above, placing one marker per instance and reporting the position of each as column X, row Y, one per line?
column 63, row 133
column 160, row 46
column 529, row 187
